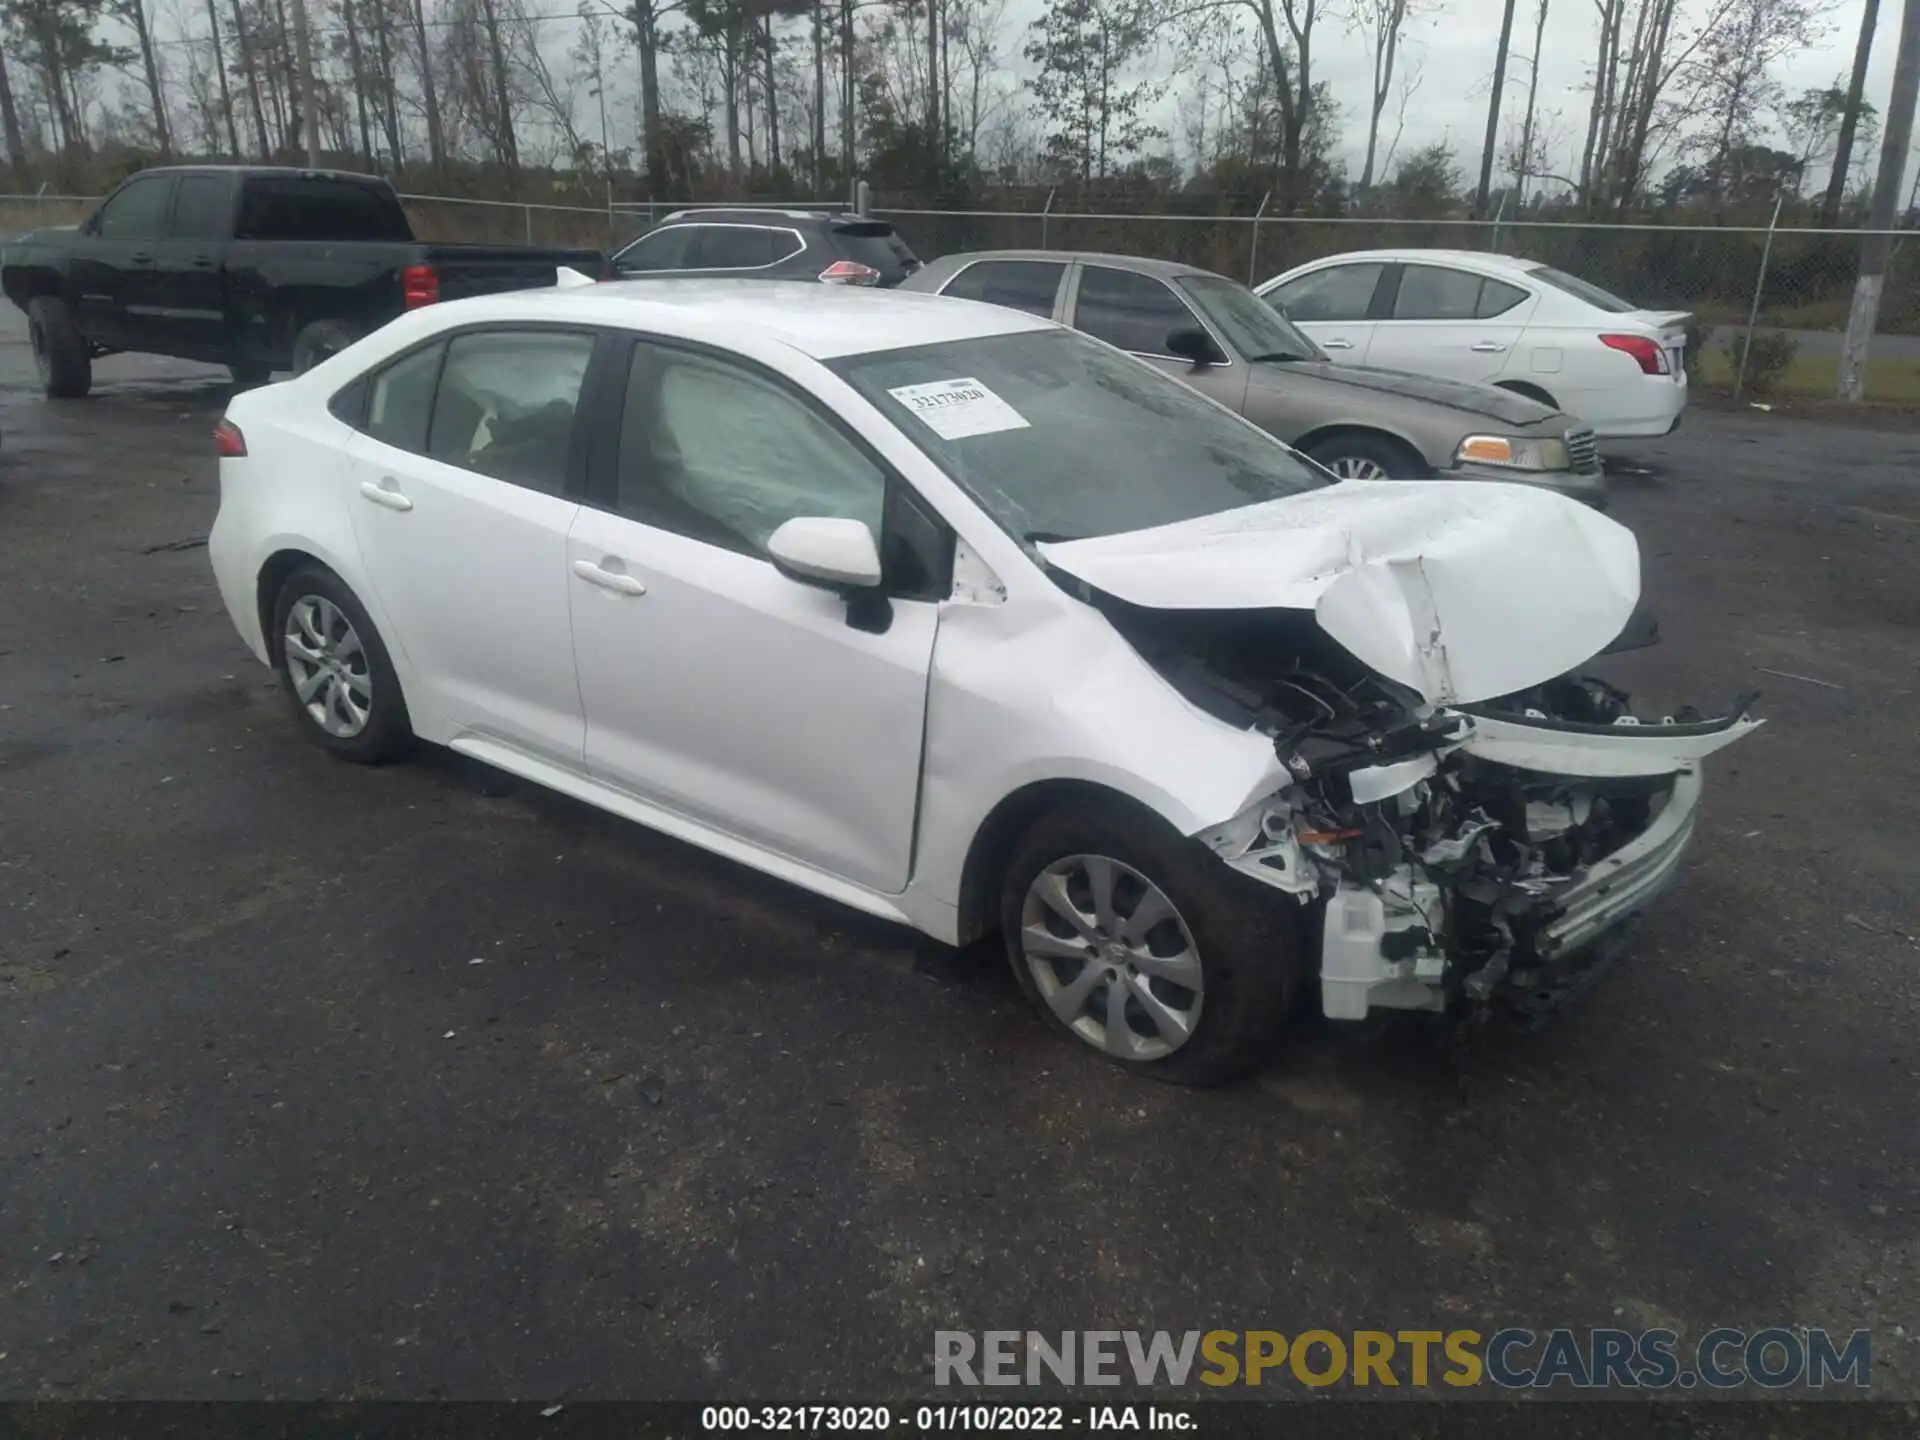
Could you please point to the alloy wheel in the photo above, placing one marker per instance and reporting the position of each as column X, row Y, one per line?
column 1112, row 957
column 1359, row 467
column 328, row 666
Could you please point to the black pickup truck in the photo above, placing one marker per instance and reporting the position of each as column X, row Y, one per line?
column 256, row 269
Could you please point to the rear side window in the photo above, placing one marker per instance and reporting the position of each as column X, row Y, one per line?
column 400, row 400
column 1340, row 292
column 730, row 247
column 318, row 207
column 506, row 402
column 138, row 211
column 1428, row 292
column 874, row 244
column 201, row 206
column 1497, row 298
column 1026, row 285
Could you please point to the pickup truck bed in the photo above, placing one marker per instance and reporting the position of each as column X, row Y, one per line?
column 256, row 269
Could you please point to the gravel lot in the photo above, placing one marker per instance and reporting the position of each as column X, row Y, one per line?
column 317, row 1081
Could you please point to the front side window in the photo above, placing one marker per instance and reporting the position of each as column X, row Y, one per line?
column 1059, row 439
column 137, row 212
column 1338, row 293
column 400, row 400
column 1134, row 312
column 1025, row 285
column 662, row 250
column 506, row 402
column 723, row 454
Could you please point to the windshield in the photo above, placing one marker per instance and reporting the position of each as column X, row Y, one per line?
column 1060, row 438
column 1251, row 326
column 1581, row 289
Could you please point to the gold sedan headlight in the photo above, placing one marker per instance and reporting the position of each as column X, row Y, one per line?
column 1511, row 453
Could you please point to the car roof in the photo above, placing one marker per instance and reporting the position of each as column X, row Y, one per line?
column 821, row 321
column 248, row 171
column 722, row 214
column 1414, row 253
column 1145, row 265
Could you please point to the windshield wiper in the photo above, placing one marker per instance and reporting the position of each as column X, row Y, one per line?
column 1048, row 537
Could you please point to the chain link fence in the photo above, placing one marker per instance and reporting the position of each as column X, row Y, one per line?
column 1796, row 284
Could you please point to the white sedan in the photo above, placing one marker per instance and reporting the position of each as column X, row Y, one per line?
column 969, row 621
column 1494, row 319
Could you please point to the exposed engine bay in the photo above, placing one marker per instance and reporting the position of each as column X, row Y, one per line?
column 1456, row 856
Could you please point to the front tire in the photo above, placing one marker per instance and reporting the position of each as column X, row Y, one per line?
column 336, row 671
column 60, row 351
column 1369, row 457
column 1139, row 944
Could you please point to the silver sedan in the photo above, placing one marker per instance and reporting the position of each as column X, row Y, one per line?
column 1228, row 343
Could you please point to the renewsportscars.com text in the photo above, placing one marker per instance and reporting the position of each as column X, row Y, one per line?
column 1775, row 1358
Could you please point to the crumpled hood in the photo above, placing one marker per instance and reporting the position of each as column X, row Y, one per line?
column 1486, row 401
column 1461, row 592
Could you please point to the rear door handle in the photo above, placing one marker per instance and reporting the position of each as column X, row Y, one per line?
column 386, row 493
column 1336, row 344
column 203, row 262
column 614, row 580
column 1488, row 347
column 141, row 259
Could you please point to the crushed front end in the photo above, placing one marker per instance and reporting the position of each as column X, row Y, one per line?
column 1457, row 857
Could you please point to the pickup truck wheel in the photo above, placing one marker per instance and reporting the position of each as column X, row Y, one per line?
column 1369, row 457
column 250, row 377
column 336, row 670
column 59, row 349
column 321, row 340
column 1144, row 946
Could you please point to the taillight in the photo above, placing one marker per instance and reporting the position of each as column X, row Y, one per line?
column 1653, row 360
column 419, row 285
column 228, row 442
column 849, row 272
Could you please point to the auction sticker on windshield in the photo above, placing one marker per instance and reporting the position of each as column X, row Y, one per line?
column 955, row 409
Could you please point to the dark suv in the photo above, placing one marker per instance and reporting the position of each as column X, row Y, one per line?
column 771, row 245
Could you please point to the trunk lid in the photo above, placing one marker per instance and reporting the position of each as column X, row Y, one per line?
column 1460, row 592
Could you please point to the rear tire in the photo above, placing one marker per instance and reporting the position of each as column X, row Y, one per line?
column 1369, row 457
column 336, row 671
column 60, row 351
column 1219, row 967
column 321, row 340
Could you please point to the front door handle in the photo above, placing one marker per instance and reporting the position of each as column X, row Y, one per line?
column 1336, row 344
column 386, row 493
column 203, row 262
column 141, row 259
column 1489, row 347
column 614, row 580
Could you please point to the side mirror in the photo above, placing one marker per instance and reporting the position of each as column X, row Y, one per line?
column 836, row 555
column 1195, row 345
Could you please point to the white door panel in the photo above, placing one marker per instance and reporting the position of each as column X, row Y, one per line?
column 717, row 688
column 1345, row 341
column 472, row 573
column 1453, row 349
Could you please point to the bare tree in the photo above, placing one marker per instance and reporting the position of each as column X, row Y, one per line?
column 1732, row 81
column 1527, row 160
column 1382, row 22
column 10, row 119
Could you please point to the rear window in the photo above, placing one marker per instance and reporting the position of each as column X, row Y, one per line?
column 873, row 243
column 319, row 207
column 1600, row 299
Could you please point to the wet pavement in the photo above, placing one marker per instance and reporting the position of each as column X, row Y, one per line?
column 323, row 1081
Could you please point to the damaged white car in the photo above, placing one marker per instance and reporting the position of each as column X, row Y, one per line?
column 969, row 621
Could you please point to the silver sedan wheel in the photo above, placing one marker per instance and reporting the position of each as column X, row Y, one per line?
column 1359, row 467
column 1112, row 957
column 328, row 666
